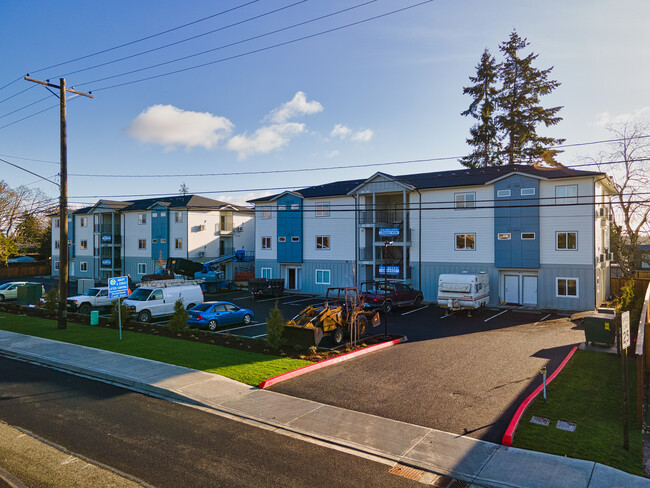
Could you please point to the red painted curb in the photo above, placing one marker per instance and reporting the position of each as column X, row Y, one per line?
column 328, row 362
column 510, row 431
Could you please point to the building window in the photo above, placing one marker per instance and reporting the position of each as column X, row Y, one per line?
column 322, row 242
column 566, row 194
column 322, row 209
column 154, row 214
column 266, row 242
column 295, row 239
column 163, row 241
column 266, row 273
column 528, row 235
column 83, row 244
column 322, row 276
column 527, row 192
column 566, row 241
column 57, row 245
column 178, row 243
column 295, row 206
column 178, row 217
column 142, row 219
column 465, row 200
column 83, row 266
column 281, row 208
column 154, row 241
column 566, row 287
column 266, row 212
column 465, row 242
column 83, row 222
column 504, row 236
column 56, row 265
column 56, row 223
column 503, row 193
column 282, row 239
column 142, row 243
column 142, row 268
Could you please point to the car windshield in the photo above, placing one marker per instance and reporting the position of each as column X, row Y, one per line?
column 91, row 292
column 5, row 286
column 141, row 294
column 202, row 307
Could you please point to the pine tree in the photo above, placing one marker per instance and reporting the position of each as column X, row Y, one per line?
column 484, row 135
column 519, row 102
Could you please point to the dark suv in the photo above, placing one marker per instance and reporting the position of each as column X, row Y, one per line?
column 378, row 294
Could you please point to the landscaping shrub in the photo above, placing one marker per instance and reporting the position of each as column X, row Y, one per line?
column 275, row 327
column 178, row 320
column 114, row 319
column 52, row 301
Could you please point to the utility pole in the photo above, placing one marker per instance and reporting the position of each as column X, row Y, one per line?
column 63, row 199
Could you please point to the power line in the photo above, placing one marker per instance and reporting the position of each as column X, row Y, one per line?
column 28, row 171
column 10, row 83
column 24, row 107
column 30, row 159
column 16, row 94
column 28, row 116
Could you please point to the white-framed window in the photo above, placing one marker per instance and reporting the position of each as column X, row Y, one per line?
column 57, row 223
column 57, row 244
column 266, row 212
column 527, row 192
column 281, row 208
column 322, row 242
column 465, row 200
column 503, row 193
column 295, row 206
column 142, row 218
column 566, row 194
column 178, row 217
column 504, row 236
column 154, row 214
column 266, row 242
column 56, row 265
column 83, row 266
column 282, row 239
column 566, row 241
column 83, row 221
column 142, row 268
column 295, row 239
column 163, row 241
column 465, row 242
column 528, row 235
column 142, row 243
column 322, row 209
column 162, row 214
column 322, row 276
column 266, row 273
column 178, row 243
column 154, row 241
column 566, row 287
column 83, row 244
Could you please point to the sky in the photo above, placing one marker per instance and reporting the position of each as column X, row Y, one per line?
column 290, row 85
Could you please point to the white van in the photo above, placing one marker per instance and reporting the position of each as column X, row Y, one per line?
column 463, row 291
column 158, row 299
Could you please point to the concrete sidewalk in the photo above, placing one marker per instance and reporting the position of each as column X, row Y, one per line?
column 477, row 462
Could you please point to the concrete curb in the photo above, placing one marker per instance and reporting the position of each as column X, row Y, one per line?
column 328, row 362
column 510, row 431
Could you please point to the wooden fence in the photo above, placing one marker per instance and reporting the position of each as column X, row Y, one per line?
column 640, row 284
column 22, row 270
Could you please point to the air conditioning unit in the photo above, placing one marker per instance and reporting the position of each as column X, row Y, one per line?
column 603, row 212
column 239, row 228
column 611, row 256
column 610, row 217
column 602, row 258
column 201, row 254
column 201, row 227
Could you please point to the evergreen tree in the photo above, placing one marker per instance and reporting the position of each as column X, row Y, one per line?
column 519, row 102
column 484, row 134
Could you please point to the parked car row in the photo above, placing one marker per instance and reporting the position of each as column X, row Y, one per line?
column 9, row 291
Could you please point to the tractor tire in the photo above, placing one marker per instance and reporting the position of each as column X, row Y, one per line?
column 338, row 336
column 144, row 316
column 362, row 325
column 212, row 325
column 84, row 308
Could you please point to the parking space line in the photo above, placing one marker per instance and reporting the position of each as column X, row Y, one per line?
column 277, row 298
column 242, row 327
column 416, row 310
column 544, row 318
column 303, row 300
column 258, row 336
column 447, row 315
column 504, row 311
column 242, row 298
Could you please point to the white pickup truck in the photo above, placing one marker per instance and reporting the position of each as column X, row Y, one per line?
column 93, row 298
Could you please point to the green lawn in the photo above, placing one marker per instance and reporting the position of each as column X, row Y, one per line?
column 247, row 367
column 588, row 392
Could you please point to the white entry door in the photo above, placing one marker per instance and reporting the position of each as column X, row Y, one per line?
column 512, row 289
column 530, row 290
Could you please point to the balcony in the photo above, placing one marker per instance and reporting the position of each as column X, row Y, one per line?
column 365, row 254
column 396, row 239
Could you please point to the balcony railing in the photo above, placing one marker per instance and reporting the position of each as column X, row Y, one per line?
column 107, row 229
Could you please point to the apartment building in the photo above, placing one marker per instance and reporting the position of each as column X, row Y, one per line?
column 541, row 235
column 114, row 238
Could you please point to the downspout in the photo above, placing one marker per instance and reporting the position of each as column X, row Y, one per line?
column 356, row 241
column 593, row 240
column 419, row 240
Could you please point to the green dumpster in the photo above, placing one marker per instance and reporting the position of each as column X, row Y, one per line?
column 599, row 328
column 29, row 294
column 94, row 317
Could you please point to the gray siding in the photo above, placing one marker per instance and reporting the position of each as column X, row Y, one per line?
column 341, row 274
column 547, row 288
column 267, row 263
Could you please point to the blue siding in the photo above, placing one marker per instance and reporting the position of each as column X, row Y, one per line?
column 159, row 233
column 290, row 228
column 516, row 214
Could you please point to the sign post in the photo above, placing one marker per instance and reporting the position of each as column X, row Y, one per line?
column 118, row 287
column 625, row 343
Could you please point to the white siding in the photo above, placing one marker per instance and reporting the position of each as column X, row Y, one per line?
column 263, row 228
column 206, row 240
column 339, row 225
column 83, row 234
column 246, row 238
column 566, row 218
column 132, row 232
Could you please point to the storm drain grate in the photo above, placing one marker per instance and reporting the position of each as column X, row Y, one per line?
column 426, row 477
column 447, row 482
column 407, row 472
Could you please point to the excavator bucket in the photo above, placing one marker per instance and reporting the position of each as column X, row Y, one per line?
column 303, row 336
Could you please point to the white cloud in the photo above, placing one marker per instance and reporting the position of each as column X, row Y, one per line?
column 242, row 198
column 363, row 135
column 333, row 154
column 298, row 105
column 171, row 126
column 343, row 132
column 606, row 119
column 265, row 139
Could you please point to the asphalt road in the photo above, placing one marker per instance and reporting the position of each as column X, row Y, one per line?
column 170, row 445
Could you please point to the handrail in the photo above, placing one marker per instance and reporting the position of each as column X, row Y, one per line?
column 640, row 338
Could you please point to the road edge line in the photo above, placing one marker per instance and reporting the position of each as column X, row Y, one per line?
column 328, row 362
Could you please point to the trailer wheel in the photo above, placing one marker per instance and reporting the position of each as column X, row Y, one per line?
column 338, row 336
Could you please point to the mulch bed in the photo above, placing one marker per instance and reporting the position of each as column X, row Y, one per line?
column 206, row 337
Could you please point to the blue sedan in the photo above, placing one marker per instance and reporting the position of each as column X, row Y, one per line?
column 217, row 314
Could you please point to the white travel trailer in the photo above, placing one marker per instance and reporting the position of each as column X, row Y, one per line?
column 463, row 291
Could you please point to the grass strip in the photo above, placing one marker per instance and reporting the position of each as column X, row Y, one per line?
column 588, row 392
column 248, row 367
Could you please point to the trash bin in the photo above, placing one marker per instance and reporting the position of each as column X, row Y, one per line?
column 94, row 317
column 599, row 328
column 29, row 294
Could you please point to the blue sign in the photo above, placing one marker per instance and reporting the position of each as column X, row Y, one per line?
column 118, row 287
column 107, row 238
column 106, row 261
column 389, row 232
column 392, row 270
